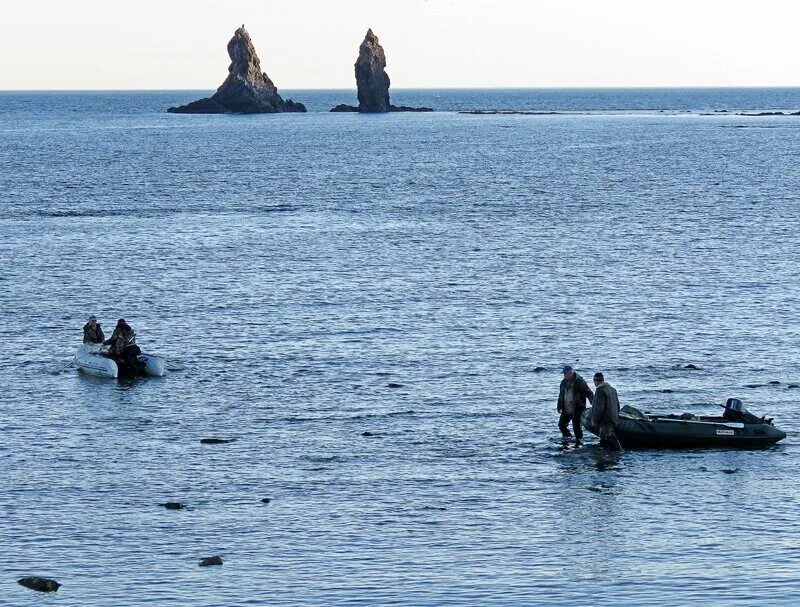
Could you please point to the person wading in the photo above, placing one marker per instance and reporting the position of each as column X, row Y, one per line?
column 605, row 413
column 572, row 396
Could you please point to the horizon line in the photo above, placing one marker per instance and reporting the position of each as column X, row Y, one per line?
column 412, row 88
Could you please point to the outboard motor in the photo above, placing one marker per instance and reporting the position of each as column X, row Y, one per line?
column 734, row 404
column 735, row 411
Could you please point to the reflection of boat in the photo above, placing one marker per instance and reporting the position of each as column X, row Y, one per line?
column 735, row 428
column 93, row 359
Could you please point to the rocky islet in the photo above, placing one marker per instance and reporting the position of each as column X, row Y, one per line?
column 246, row 90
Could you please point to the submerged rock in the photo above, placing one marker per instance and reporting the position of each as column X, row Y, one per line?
column 246, row 90
column 39, row 584
column 373, row 82
column 211, row 561
column 216, row 441
column 691, row 367
column 266, row 500
column 394, row 385
column 173, row 505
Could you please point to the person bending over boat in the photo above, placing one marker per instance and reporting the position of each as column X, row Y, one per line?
column 93, row 332
column 122, row 341
column 605, row 412
column 572, row 395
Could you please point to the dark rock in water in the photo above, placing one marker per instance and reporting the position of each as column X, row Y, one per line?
column 201, row 106
column 394, row 385
column 792, row 386
column 513, row 113
column 774, row 382
column 752, row 385
column 539, row 369
column 210, row 561
column 730, row 470
column 367, row 433
column 173, row 505
column 246, row 90
column 408, row 108
column 667, row 391
column 764, row 114
column 266, row 500
column 39, row 584
column 373, row 82
column 692, row 367
column 437, row 508
column 216, row 441
column 343, row 107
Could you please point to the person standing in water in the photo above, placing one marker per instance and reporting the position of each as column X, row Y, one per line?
column 605, row 412
column 572, row 396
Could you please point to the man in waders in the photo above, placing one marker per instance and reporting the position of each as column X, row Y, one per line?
column 605, row 413
column 572, row 396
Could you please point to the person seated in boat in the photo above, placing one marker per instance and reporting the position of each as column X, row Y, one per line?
column 123, row 346
column 605, row 412
column 122, row 337
column 93, row 332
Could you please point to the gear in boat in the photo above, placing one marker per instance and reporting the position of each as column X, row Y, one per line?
column 736, row 427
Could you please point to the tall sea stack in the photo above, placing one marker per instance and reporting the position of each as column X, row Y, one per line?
column 246, row 90
column 371, row 77
column 373, row 81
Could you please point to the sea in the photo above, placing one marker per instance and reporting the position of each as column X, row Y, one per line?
column 375, row 309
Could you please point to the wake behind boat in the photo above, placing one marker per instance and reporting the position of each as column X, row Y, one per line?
column 737, row 427
column 93, row 359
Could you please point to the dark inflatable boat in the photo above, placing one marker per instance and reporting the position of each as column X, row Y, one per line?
column 735, row 428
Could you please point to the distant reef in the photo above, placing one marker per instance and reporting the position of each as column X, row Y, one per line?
column 373, row 81
column 246, row 90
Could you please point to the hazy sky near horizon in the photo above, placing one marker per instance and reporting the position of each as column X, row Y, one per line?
column 93, row 44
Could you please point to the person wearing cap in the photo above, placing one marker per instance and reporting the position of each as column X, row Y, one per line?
column 605, row 412
column 572, row 396
column 122, row 337
column 93, row 332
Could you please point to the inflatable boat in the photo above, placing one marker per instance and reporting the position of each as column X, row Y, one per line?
column 93, row 359
column 736, row 427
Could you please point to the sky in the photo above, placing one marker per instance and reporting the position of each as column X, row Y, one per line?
column 180, row 44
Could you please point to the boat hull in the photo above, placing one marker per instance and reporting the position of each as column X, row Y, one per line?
column 676, row 433
column 90, row 361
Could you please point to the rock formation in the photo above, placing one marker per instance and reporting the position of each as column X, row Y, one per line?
column 373, row 81
column 246, row 90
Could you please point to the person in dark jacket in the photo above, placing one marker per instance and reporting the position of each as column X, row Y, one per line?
column 93, row 332
column 122, row 337
column 572, row 396
column 605, row 412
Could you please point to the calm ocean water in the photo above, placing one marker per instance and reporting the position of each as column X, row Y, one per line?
column 315, row 277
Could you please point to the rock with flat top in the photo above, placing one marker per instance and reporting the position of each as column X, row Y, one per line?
column 246, row 90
